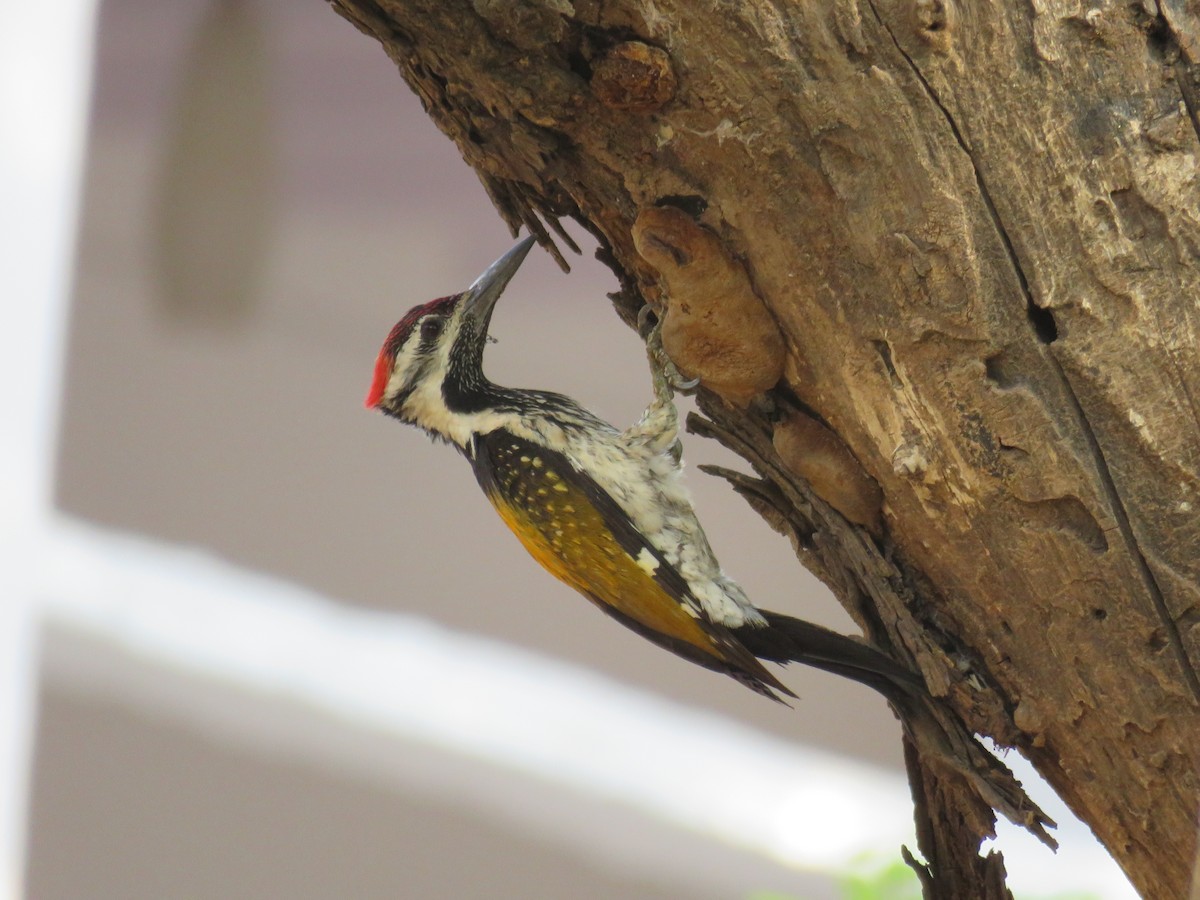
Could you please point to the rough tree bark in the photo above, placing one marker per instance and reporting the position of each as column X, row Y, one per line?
column 935, row 263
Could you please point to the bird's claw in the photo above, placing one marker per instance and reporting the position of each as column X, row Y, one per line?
column 644, row 327
column 683, row 385
column 667, row 376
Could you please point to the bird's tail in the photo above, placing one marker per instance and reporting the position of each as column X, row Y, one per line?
column 784, row 639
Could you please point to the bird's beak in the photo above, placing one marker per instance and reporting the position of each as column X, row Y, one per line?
column 480, row 298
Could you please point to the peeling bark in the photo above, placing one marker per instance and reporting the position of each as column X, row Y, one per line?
column 975, row 228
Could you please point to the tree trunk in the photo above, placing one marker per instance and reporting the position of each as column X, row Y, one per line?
column 935, row 265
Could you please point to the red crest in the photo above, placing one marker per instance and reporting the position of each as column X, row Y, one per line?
column 395, row 340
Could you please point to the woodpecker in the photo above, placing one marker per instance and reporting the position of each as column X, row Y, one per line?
column 603, row 510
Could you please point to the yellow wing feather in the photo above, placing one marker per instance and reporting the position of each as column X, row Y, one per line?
column 568, row 537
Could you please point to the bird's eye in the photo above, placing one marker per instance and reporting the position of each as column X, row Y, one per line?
column 431, row 328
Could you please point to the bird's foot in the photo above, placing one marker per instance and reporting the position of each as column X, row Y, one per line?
column 667, row 378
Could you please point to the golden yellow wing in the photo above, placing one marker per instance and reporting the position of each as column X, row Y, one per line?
column 579, row 534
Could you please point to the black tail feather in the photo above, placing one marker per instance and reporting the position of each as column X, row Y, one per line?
column 784, row 639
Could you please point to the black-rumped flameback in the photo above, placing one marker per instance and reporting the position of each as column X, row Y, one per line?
column 603, row 510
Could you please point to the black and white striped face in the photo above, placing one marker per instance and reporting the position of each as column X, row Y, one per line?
column 415, row 352
column 430, row 368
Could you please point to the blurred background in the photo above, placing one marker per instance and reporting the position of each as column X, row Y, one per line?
column 263, row 643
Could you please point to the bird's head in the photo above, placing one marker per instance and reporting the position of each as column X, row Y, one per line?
column 429, row 371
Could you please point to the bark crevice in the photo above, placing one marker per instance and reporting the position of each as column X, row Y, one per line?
column 1129, row 539
column 1046, row 329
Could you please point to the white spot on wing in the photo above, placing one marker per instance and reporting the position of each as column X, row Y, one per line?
column 647, row 561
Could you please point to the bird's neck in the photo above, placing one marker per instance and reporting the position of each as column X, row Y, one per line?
column 459, row 409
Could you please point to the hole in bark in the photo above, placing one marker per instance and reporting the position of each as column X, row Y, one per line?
column 1067, row 515
column 1159, row 40
column 861, row 60
column 692, row 204
column 1043, row 323
column 1099, row 614
column 579, row 64
column 783, row 397
column 885, row 353
column 1158, row 640
column 997, row 368
column 1139, row 218
column 1011, row 448
column 436, row 77
column 934, row 16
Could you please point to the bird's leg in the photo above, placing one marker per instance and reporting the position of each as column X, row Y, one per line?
column 667, row 378
column 659, row 425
